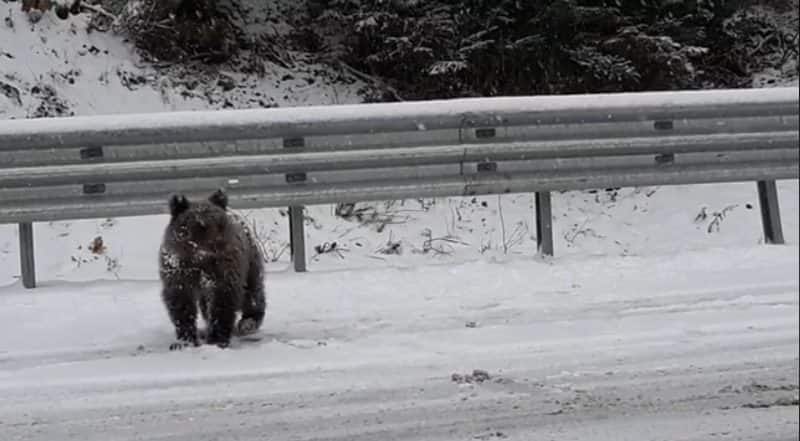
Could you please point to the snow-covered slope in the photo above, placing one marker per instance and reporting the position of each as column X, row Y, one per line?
column 60, row 67
column 649, row 221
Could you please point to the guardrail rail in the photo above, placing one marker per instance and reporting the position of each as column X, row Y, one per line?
column 126, row 165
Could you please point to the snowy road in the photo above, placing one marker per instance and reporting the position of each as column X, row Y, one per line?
column 697, row 346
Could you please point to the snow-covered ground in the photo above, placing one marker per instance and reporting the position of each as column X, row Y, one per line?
column 650, row 324
column 689, row 346
column 662, row 317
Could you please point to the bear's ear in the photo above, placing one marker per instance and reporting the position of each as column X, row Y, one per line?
column 219, row 198
column 178, row 204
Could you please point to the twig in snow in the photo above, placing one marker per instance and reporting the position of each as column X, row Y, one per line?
column 371, row 80
column 99, row 10
column 391, row 247
column 502, row 224
column 718, row 217
column 444, row 243
column 328, row 247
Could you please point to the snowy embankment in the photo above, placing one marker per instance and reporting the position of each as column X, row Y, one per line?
column 66, row 67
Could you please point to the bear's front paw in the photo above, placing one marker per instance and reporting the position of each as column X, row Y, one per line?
column 218, row 340
column 222, row 343
column 178, row 345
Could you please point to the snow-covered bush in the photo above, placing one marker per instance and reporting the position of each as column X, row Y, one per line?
column 448, row 48
column 180, row 30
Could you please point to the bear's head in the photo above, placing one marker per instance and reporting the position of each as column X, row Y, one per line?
column 198, row 229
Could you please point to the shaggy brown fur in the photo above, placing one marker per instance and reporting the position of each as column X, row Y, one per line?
column 210, row 261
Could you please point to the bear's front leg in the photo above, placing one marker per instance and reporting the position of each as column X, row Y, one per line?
column 183, row 314
column 222, row 315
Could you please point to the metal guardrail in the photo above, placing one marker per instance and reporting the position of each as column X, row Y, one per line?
column 125, row 165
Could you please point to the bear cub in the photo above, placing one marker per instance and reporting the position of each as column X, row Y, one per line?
column 210, row 261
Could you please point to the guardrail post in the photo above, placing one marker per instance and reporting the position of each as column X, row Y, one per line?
column 544, row 223
column 770, row 212
column 26, row 260
column 297, row 239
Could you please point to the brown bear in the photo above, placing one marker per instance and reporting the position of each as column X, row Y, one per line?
column 210, row 261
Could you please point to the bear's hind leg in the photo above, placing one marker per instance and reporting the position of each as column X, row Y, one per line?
column 183, row 314
column 222, row 315
column 203, row 304
column 254, row 303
